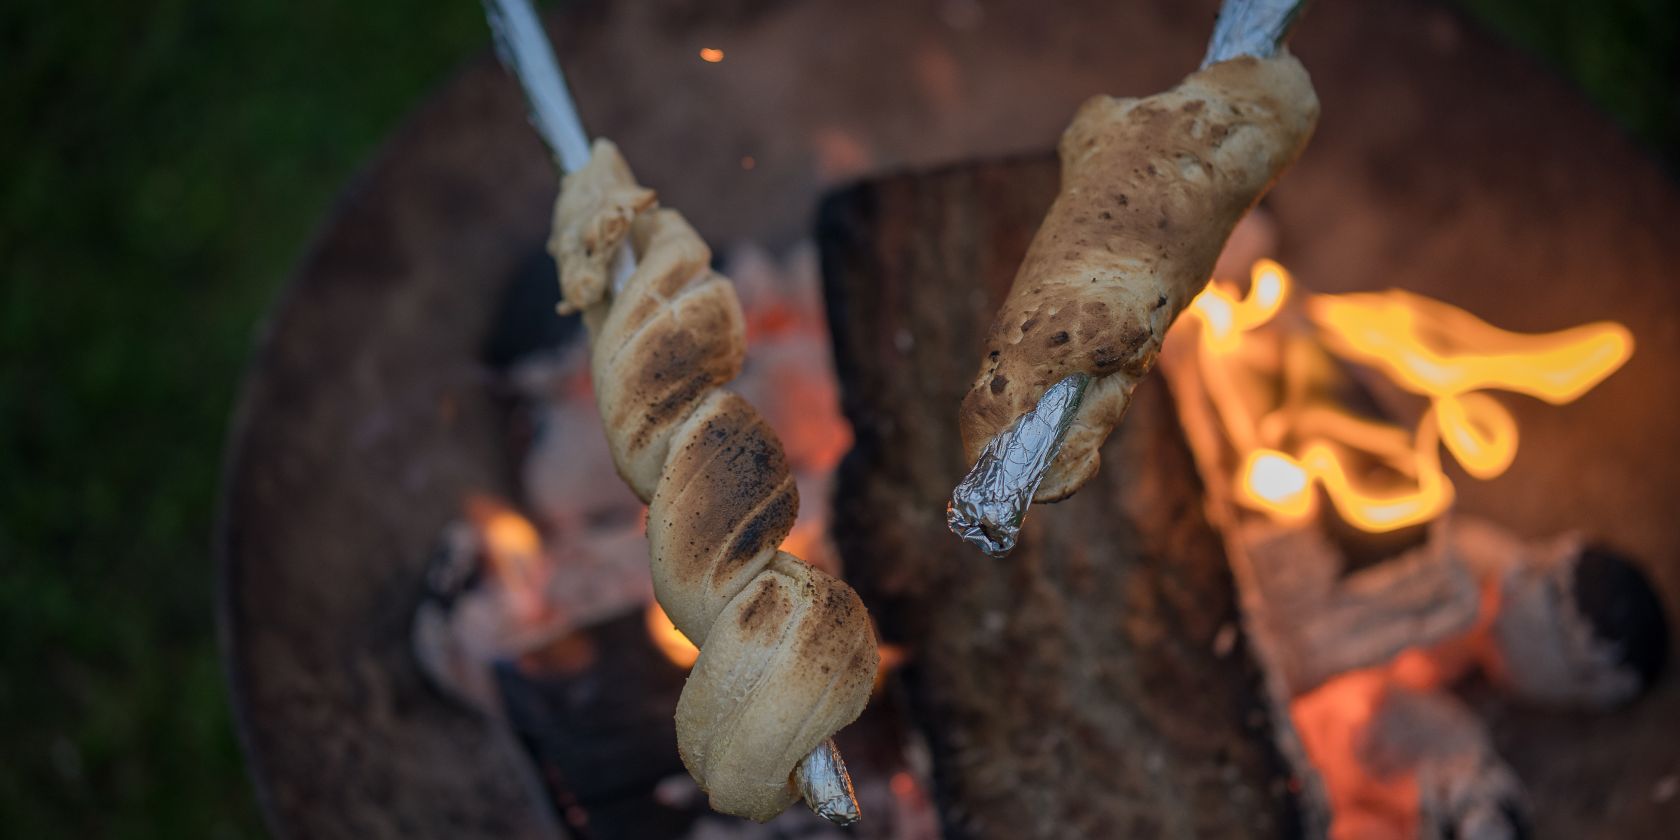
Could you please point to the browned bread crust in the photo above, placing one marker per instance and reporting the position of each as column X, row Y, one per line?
column 787, row 653
column 1151, row 189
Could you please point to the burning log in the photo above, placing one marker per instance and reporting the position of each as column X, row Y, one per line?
column 1365, row 595
column 1571, row 624
column 1096, row 683
column 1325, row 622
column 1403, row 762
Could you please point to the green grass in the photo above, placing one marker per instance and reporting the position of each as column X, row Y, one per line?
column 1624, row 54
column 165, row 163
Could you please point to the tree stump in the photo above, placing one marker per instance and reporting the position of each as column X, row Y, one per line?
column 1095, row 683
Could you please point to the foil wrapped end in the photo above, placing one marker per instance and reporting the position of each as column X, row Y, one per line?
column 826, row 786
column 989, row 525
column 989, row 505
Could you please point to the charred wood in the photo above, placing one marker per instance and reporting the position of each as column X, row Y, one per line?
column 1097, row 681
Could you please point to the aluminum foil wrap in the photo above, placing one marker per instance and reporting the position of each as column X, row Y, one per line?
column 987, row 508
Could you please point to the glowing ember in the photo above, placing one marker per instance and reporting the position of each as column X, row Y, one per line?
column 682, row 652
column 892, row 657
column 1388, row 738
column 1332, row 721
column 806, row 540
column 669, row 639
column 515, row 554
column 1371, row 799
column 710, row 55
column 1427, row 347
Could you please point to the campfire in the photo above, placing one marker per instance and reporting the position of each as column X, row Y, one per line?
column 1316, row 421
column 1306, row 443
column 1365, row 592
column 1329, row 602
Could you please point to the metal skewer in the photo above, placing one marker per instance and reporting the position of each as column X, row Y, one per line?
column 989, row 505
column 1252, row 27
column 820, row 777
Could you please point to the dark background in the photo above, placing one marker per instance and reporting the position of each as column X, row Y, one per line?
column 165, row 162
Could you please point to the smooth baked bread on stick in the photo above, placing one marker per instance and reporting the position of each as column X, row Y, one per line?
column 1151, row 189
column 787, row 654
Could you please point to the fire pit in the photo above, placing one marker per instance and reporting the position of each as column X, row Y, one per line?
column 377, row 410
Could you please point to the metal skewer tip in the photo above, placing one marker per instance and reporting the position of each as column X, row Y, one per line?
column 523, row 47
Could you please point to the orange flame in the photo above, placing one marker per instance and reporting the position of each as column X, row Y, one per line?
column 1431, row 348
column 1370, row 798
column 669, row 639
column 806, row 541
column 1426, row 347
column 515, row 554
column 1225, row 317
column 682, row 652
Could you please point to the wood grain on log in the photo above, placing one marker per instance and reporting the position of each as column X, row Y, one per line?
column 1095, row 683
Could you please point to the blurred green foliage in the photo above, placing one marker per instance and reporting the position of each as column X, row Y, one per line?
column 1624, row 54
column 164, row 164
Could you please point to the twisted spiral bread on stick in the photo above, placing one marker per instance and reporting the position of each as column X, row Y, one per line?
column 787, row 654
column 1151, row 189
